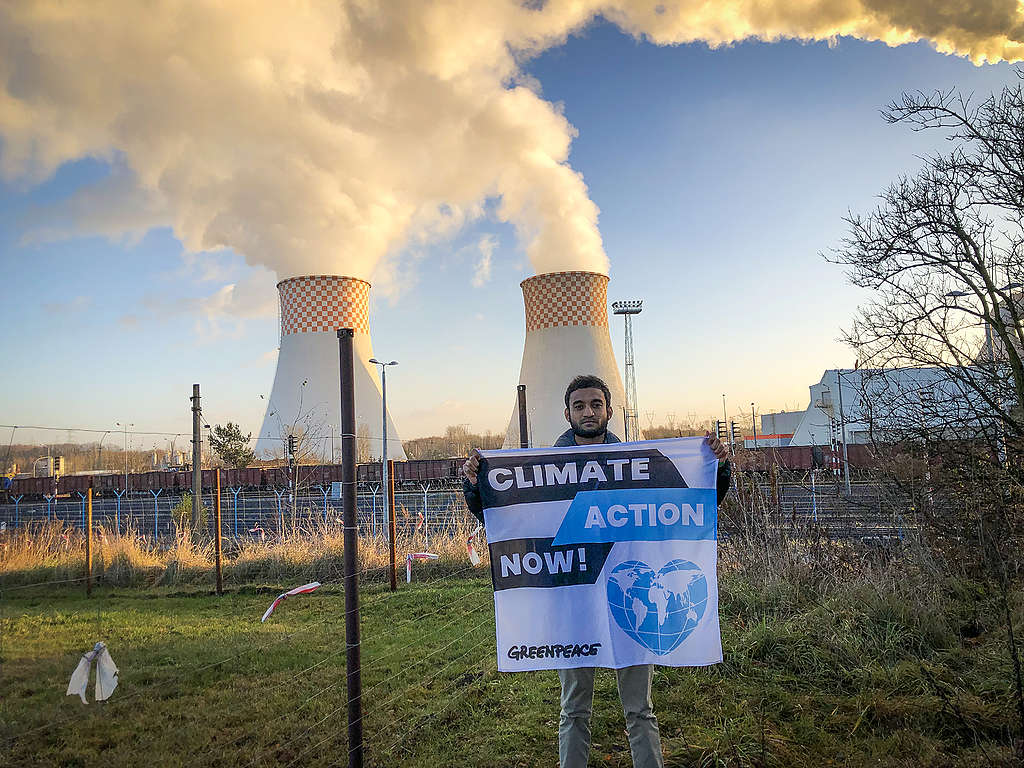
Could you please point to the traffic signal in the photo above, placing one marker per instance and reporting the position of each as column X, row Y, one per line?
column 720, row 431
column 58, row 465
column 737, row 438
column 291, row 446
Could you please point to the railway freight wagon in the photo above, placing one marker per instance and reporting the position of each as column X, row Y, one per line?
column 803, row 458
column 248, row 478
column 415, row 471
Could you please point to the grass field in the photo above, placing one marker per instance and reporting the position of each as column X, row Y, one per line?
column 883, row 671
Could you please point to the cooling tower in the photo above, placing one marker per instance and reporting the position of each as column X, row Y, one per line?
column 306, row 393
column 566, row 335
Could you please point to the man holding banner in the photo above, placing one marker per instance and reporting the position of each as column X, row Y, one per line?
column 602, row 555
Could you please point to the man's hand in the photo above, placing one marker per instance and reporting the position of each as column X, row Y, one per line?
column 472, row 466
column 721, row 452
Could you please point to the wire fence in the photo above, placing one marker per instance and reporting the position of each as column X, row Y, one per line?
column 428, row 649
column 436, row 509
column 425, row 648
column 431, row 509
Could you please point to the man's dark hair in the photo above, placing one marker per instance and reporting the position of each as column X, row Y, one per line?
column 589, row 382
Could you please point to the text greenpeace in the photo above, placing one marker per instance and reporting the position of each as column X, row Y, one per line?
column 603, row 555
column 570, row 651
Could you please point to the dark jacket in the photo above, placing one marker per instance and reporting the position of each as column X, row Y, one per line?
column 567, row 438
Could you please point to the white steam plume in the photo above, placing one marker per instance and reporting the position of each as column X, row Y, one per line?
column 315, row 137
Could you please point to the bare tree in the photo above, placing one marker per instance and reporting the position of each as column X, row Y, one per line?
column 942, row 254
column 364, row 447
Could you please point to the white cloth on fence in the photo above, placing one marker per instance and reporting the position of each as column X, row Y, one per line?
column 106, row 674
column 474, row 556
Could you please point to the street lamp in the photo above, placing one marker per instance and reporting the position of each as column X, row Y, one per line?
column 124, row 427
column 384, row 432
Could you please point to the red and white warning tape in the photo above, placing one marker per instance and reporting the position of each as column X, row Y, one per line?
column 416, row 556
column 304, row 589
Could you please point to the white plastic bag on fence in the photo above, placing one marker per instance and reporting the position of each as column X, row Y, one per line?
column 106, row 674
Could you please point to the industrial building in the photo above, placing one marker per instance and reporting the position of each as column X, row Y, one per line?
column 837, row 405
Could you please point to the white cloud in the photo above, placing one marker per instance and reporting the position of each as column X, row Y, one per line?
column 115, row 207
column 323, row 136
column 482, row 270
column 222, row 313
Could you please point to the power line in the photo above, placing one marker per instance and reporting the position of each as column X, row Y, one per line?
column 83, row 429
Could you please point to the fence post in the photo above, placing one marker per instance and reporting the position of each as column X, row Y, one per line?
column 117, row 520
column 17, row 501
column 325, row 490
column 280, row 514
column 48, row 500
column 156, row 512
column 373, row 514
column 353, row 667
column 234, row 503
column 426, row 520
column 391, row 522
column 524, row 435
column 88, row 543
column 814, row 499
column 216, row 536
column 81, row 496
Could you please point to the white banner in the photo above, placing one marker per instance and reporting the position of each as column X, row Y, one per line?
column 604, row 555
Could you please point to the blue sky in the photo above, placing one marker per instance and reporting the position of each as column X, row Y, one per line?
column 721, row 175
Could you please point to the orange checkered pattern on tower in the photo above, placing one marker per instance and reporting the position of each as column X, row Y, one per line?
column 565, row 299
column 324, row 303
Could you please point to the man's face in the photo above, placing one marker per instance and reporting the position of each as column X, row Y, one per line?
column 587, row 413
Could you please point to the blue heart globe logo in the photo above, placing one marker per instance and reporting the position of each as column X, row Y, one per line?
column 658, row 610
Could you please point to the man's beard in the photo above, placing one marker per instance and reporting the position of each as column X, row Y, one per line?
column 580, row 431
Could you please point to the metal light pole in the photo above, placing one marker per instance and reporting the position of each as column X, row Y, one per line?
column 753, row 423
column 631, row 423
column 125, row 428
column 384, row 432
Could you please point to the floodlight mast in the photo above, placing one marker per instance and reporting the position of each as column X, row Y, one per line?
column 630, row 413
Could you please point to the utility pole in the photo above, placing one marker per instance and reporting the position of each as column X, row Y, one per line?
column 125, row 428
column 291, row 477
column 197, row 457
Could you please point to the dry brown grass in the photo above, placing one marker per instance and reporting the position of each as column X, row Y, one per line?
column 54, row 553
